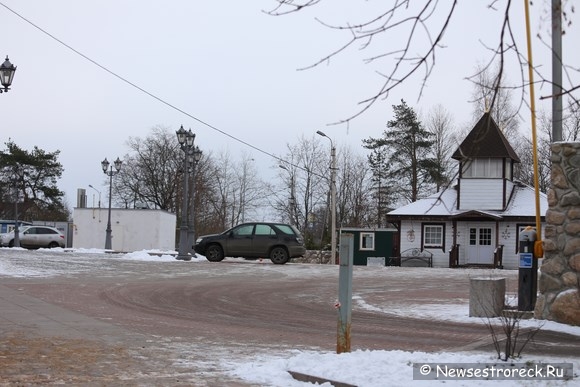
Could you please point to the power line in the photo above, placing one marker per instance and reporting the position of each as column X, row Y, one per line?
column 142, row 89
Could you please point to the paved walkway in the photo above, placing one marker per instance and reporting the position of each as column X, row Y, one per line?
column 29, row 315
column 43, row 343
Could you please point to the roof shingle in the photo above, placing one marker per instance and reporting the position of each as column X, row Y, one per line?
column 485, row 140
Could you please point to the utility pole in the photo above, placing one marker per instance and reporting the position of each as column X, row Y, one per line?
column 556, row 70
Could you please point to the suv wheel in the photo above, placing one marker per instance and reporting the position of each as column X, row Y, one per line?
column 214, row 253
column 53, row 245
column 279, row 255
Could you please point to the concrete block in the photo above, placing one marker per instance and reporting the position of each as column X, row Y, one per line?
column 376, row 261
column 486, row 297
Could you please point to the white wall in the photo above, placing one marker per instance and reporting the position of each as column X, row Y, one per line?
column 482, row 194
column 440, row 257
column 132, row 229
column 507, row 237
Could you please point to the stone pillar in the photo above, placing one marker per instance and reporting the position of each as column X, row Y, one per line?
column 559, row 282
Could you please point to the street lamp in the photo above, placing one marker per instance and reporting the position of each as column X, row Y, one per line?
column 7, row 71
column 99, row 192
column 292, row 201
column 186, row 140
column 16, row 229
column 192, row 162
column 332, row 196
column 110, row 172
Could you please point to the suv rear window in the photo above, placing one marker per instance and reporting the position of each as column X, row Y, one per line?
column 285, row 229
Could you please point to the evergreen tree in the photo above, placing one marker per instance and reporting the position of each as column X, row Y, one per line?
column 408, row 145
column 30, row 178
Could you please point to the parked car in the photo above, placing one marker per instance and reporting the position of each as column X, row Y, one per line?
column 276, row 241
column 34, row 237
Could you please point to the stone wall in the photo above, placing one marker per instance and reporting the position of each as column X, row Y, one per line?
column 559, row 282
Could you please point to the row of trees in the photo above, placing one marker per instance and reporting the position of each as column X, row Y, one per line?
column 410, row 160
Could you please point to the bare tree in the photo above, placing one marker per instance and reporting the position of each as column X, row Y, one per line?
column 304, row 175
column 424, row 25
column 248, row 190
column 355, row 205
column 151, row 172
column 440, row 122
column 570, row 132
column 485, row 89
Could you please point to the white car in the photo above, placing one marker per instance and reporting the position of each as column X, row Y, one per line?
column 34, row 237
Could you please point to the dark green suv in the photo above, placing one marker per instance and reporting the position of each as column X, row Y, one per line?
column 276, row 241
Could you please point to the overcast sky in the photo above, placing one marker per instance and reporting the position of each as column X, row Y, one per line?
column 228, row 64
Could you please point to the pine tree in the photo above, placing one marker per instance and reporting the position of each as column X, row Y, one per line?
column 30, row 177
column 411, row 168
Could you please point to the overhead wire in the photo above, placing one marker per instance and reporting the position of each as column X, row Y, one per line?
column 159, row 99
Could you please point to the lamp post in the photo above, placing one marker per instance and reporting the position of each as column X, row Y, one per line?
column 186, row 140
column 110, row 172
column 16, row 229
column 99, row 192
column 332, row 195
column 292, row 201
column 7, row 71
column 192, row 162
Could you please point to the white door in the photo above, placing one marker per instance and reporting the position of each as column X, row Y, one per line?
column 479, row 245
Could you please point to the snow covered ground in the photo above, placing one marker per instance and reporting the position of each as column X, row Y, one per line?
column 360, row 368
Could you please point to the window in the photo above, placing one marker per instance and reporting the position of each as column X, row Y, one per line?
column 482, row 168
column 286, row 229
column 433, row 235
column 244, row 230
column 367, row 241
column 485, row 236
column 264, row 229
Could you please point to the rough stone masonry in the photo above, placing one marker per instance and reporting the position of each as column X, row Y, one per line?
column 559, row 282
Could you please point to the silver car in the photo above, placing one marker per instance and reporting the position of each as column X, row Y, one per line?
column 34, row 237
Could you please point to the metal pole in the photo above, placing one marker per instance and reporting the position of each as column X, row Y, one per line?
column 333, row 258
column 556, row 70
column 533, row 111
column 333, row 202
column 183, row 236
column 16, row 229
column 292, row 199
column 344, row 305
column 16, row 197
column 191, row 225
column 108, row 243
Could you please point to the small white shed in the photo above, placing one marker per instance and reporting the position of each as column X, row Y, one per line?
column 132, row 229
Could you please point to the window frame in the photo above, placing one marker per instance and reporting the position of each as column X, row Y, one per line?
column 441, row 245
column 362, row 239
column 483, row 168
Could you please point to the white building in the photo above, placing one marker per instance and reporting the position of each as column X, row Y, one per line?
column 132, row 229
column 477, row 221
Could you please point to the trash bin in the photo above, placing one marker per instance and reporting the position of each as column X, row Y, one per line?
column 486, row 296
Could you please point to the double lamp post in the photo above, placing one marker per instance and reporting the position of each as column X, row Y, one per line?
column 7, row 71
column 110, row 172
column 192, row 152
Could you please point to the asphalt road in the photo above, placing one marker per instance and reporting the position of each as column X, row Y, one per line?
column 137, row 321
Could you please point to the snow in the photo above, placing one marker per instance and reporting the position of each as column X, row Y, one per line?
column 363, row 368
column 522, row 203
